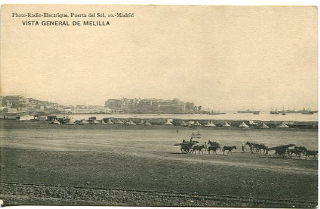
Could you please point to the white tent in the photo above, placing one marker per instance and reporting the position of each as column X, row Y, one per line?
column 210, row 124
column 251, row 122
column 95, row 121
column 196, row 134
column 169, row 122
column 70, row 122
column 147, row 123
column 141, row 122
column 226, row 124
column 118, row 122
column 282, row 125
column 243, row 125
column 102, row 122
column 26, row 117
column 263, row 125
column 183, row 123
column 130, row 123
column 197, row 123
column 84, row 121
column 55, row 121
column 190, row 123
column 109, row 122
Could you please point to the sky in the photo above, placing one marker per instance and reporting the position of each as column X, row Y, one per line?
column 223, row 58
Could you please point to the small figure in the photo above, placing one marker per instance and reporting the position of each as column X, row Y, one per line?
column 242, row 147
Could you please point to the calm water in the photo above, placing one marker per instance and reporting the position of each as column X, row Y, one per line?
column 137, row 140
column 264, row 116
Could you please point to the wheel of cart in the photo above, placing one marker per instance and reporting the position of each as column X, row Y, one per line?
column 186, row 147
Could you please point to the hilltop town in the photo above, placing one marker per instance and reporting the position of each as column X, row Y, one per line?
column 20, row 104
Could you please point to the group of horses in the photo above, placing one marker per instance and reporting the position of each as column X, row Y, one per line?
column 288, row 150
column 192, row 147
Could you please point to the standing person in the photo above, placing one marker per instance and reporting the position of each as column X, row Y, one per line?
column 242, row 147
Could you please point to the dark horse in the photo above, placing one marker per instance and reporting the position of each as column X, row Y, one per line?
column 257, row 147
column 311, row 153
column 197, row 147
column 186, row 146
column 229, row 149
column 297, row 151
column 213, row 146
column 214, row 149
column 251, row 146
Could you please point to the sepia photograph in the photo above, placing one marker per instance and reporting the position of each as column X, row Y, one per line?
column 159, row 105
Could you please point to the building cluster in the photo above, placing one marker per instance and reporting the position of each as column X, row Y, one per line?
column 23, row 105
column 30, row 106
column 157, row 106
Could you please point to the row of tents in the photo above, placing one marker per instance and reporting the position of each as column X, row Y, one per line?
column 148, row 122
column 168, row 122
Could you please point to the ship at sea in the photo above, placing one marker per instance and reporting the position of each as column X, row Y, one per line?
column 303, row 111
column 308, row 111
column 255, row 112
column 217, row 113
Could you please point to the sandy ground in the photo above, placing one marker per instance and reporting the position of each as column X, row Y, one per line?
column 143, row 168
column 192, row 180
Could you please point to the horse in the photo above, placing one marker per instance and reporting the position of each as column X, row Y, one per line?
column 213, row 143
column 199, row 148
column 297, row 151
column 251, row 146
column 213, row 148
column 262, row 147
column 311, row 153
column 185, row 148
column 229, row 148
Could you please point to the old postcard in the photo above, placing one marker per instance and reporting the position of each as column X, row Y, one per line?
column 150, row 105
